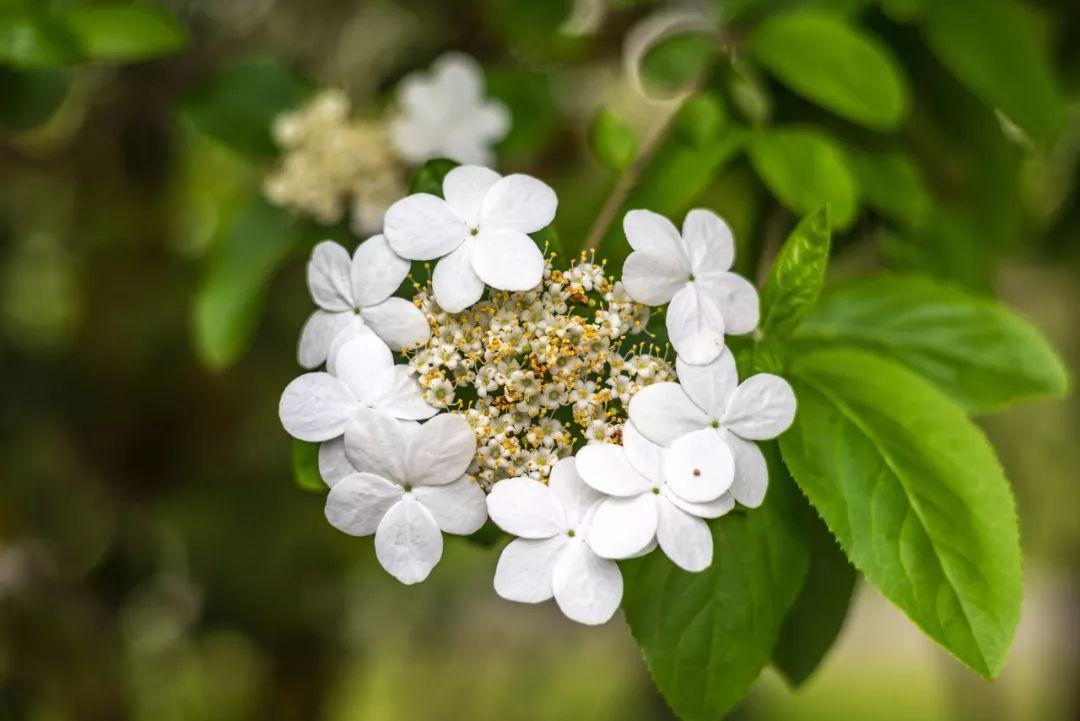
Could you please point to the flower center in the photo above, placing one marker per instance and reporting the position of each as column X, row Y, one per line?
column 696, row 472
column 691, row 278
column 474, row 231
column 656, row 491
column 571, row 533
column 715, row 423
column 408, row 487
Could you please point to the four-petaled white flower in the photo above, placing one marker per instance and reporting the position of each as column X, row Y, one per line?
column 318, row 406
column 709, row 405
column 445, row 114
column 691, row 272
column 551, row 556
column 480, row 232
column 410, row 488
column 657, row 495
column 357, row 292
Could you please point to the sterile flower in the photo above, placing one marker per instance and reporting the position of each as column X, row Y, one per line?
column 551, row 556
column 479, row 231
column 711, row 406
column 445, row 114
column 411, row 488
column 318, row 406
column 689, row 271
column 357, row 291
column 657, row 495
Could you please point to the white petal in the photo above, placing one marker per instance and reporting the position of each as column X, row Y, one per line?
column 686, row 540
column 400, row 395
column 334, row 463
column 695, row 325
column 573, row 494
column 423, row 226
column 646, row 457
column 490, row 122
column 459, row 507
column 653, row 277
column 464, row 188
column 398, row 322
column 709, row 386
column 663, row 412
column 762, row 407
column 317, row 334
column 459, row 77
column 526, row 508
column 408, row 543
column 507, row 260
column 622, row 527
column 708, row 242
column 737, row 300
column 377, row 443
column 526, row 567
column 708, row 509
column 440, row 450
column 751, row 471
column 520, row 203
column 354, row 328
column 362, row 364
column 699, row 466
column 357, row 503
column 412, row 139
column 606, row 468
column 455, row 283
column 376, row 271
column 328, row 277
column 316, row 407
column 646, row 229
column 587, row 588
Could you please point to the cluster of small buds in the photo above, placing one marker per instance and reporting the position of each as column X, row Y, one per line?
column 537, row 372
column 333, row 164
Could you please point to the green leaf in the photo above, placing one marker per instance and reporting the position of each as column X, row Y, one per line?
column 612, row 140
column 529, row 95
column 706, row 636
column 838, row 66
column 31, row 40
column 891, row 184
column 674, row 63
column 235, row 279
column 238, row 104
column 974, row 349
column 914, row 493
column 991, row 48
column 30, row 97
column 805, row 170
column 701, row 118
column 305, row 463
column 794, row 282
column 429, row 178
column 121, row 31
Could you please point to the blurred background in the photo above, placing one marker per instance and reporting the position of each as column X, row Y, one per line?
column 157, row 559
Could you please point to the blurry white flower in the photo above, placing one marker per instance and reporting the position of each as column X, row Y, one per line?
column 357, row 292
column 479, row 231
column 410, row 490
column 710, row 406
column 551, row 556
column 689, row 271
column 445, row 114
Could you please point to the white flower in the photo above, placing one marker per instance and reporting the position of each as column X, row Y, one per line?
column 689, row 271
column 318, row 406
column 479, row 231
column 354, row 293
column 411, row 488
column 551, row 556
column 446, row 115
column 657, row 495
column 710, row 406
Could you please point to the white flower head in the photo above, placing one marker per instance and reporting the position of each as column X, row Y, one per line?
column 551, row 556
column 318, row 406
column 691, row 272
column 710, row 407
column 480, row 233
column 355, row 293
column 411, row 488
column 445, row 114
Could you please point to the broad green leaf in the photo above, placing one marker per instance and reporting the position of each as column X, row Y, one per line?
column 794, row 282
column 805, row 170
column 891, row 184
column 238, row 104
column 915, row 495
column 31, row 40
column 706, row 636
column 701, row 118
column 676, row 62
column 124, row 31
column 305, row 463
column 974, row 349
column 834, row 64
column 429, row 178
column 613, row 141
column 991, row 48
column 30, row 97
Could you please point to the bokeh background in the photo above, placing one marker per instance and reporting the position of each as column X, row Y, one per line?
column 157, row 560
